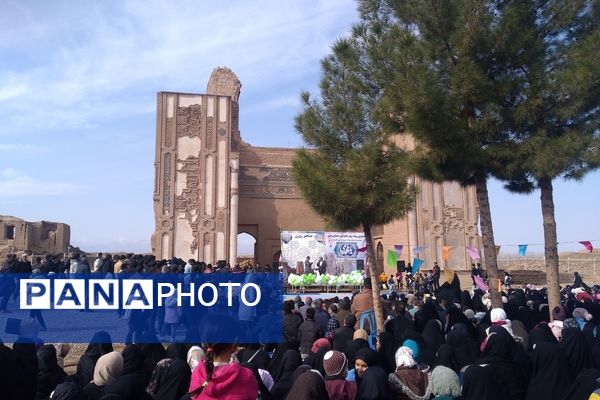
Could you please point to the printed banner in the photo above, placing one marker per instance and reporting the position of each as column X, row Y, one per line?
column 343, row 251
column 474, row 253
column 588, row 245
column 340, row 250
column 522, row 250
column 297, row 245
column 207, row 307
column 399, row 248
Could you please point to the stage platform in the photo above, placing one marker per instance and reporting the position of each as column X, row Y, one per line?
column 322, row 289
column 316, row 295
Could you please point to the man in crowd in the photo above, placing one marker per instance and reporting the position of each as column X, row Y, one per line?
column 308, row 332
column 435, row 275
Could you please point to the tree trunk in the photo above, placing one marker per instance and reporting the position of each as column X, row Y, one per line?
column 550, row 248
column 374, row 279
column 489, row 245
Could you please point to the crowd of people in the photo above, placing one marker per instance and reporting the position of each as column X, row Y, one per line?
column 451, row 344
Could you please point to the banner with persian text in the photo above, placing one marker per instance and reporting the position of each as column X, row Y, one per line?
column 340, row 250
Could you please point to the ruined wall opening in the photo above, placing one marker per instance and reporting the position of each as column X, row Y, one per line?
column 246, row 248
column 10, row 232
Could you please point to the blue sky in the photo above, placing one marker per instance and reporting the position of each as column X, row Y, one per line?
column 78, row 84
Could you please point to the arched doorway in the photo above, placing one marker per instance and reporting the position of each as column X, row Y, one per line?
column 379, row 258
column 246, row 248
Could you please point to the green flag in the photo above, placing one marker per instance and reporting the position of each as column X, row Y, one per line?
column 392, row 257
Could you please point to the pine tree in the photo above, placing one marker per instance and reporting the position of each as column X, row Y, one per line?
column 558, row 127
column 351, row 172
column 453, row 78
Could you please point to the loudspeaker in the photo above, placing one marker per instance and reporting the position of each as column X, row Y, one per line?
column 360, row 265
column 400, row 266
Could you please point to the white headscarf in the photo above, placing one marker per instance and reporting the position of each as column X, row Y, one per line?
column 195, row 356
column 404, row 358
column 108, row 368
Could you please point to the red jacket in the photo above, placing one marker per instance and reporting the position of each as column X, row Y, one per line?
column 229, row 382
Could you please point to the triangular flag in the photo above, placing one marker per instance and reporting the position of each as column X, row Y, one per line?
column 362, row 249
column 473, row 253
column 588, row 245
column 522, row 250
column 480, row 283
column 419, row 249
column 392, row 258
column 399, row 248
column 417, row 262
column 446, row 252
column 498, row 250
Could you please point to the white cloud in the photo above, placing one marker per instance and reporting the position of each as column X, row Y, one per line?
column 131, row 52
column 273, row 104
column 14, row 184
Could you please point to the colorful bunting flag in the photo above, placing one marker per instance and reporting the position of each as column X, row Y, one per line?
column 522, row 250
column 588, row 245
column 474, row 253
column 362, row 249
column 446, row 252
column 392, row 258
column 399, row 248
column 480, row 283
column 419, row 249
column 416, row 265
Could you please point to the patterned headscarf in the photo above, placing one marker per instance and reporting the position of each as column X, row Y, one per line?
column 404, row 358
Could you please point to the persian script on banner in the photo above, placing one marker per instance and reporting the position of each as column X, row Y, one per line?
column 340, row 250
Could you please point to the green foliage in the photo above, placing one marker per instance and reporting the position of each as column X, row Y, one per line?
column 352, row 173
column 557, row 127
column 456, row 79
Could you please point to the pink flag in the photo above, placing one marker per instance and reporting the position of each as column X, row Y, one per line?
column 480, row 283
column 473, row 253
column 588, row 245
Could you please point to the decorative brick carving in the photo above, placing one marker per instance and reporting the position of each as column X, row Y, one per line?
column 167, row 183
column 264, row 191
column 221, row 132
column 235, row 133
column 189, row 200
column 189, row 121
column 223, row 82
column 454, row 219
column 169, row 132
column 210, row 132
column 279, row 175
